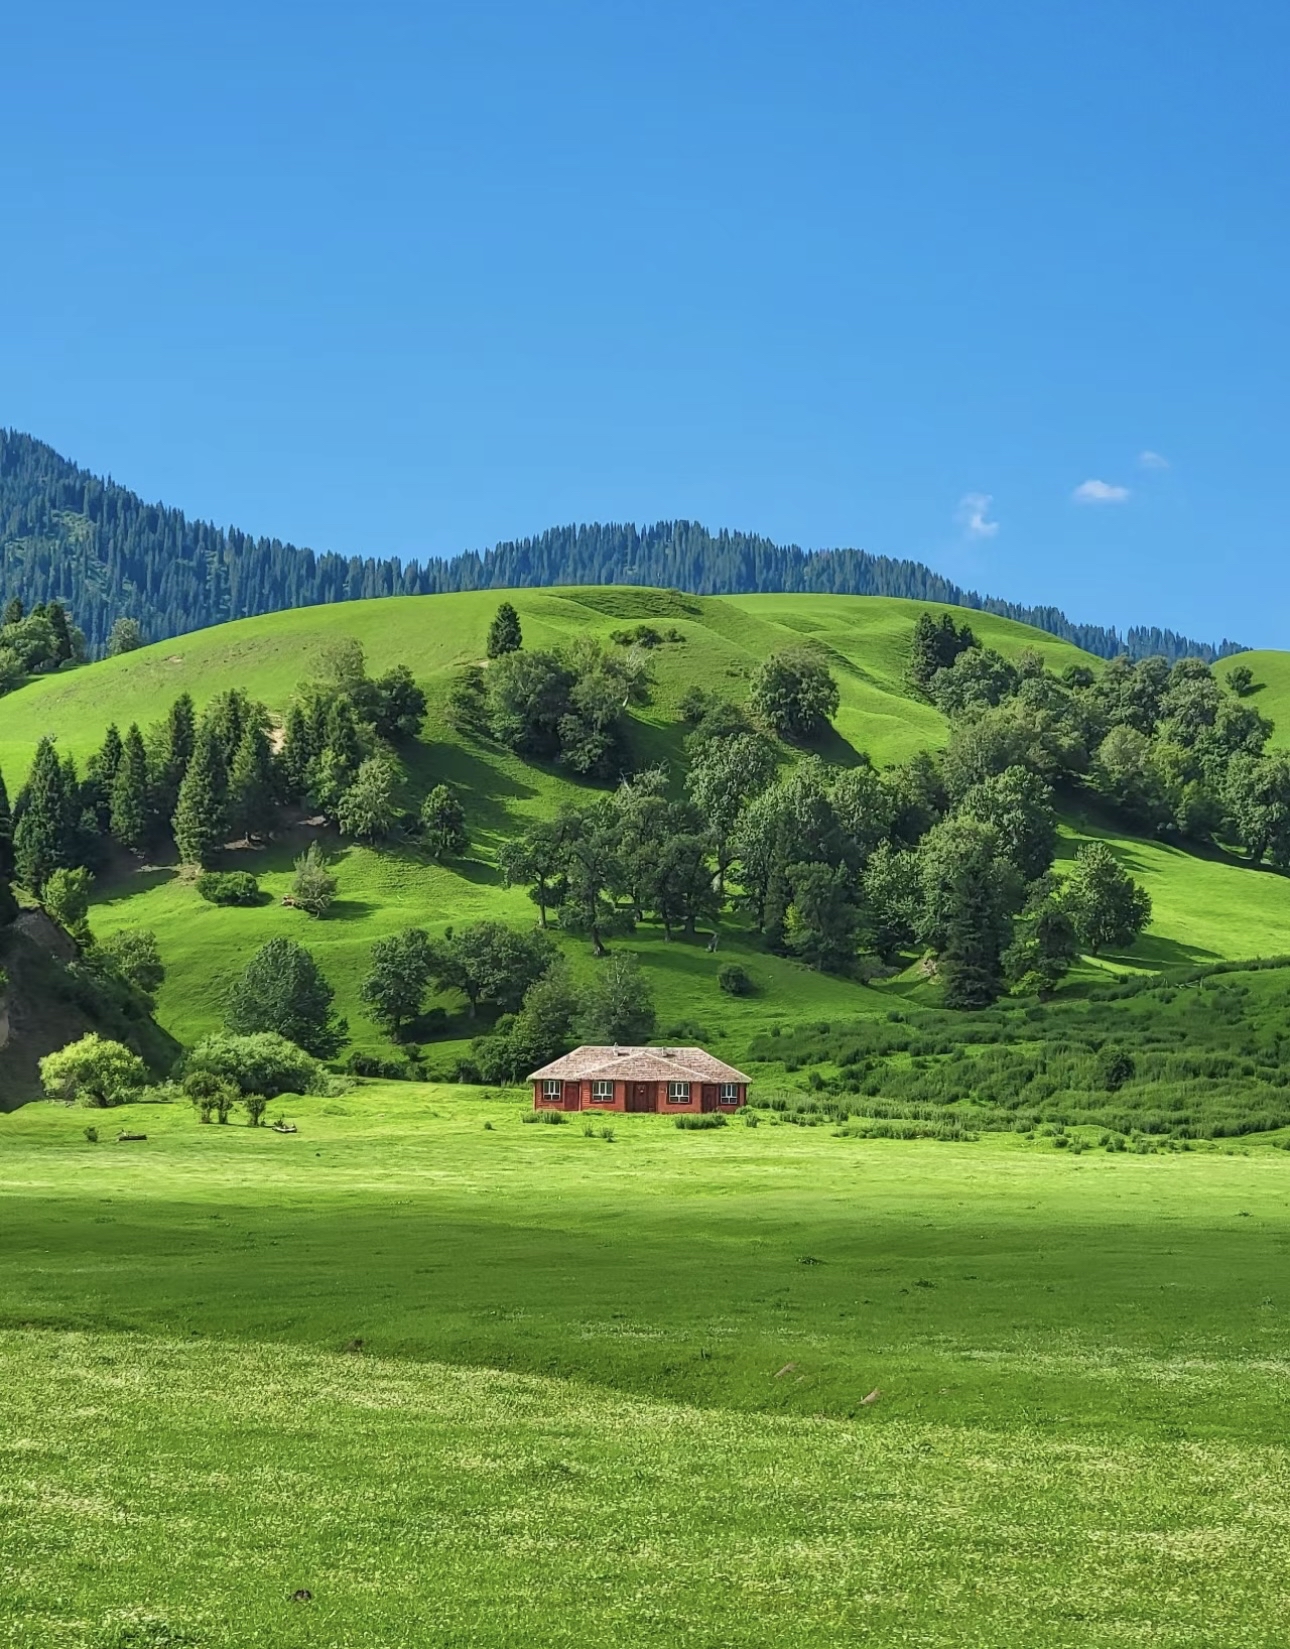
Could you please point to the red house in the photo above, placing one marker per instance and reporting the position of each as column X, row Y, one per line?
column 671, row 1080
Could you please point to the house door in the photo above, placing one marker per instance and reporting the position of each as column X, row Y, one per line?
column 573, row 1096
column 708, row 1102
column 640, row 1097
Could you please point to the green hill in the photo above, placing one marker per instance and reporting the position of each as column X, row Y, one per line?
column 1205, row 908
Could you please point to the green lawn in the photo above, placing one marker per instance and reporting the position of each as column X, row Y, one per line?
column 612, row 1392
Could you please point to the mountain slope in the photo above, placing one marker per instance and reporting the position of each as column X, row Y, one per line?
column 66, row 534
column 1205, row 908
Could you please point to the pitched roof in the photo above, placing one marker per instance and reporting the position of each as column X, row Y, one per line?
column 639, row 1065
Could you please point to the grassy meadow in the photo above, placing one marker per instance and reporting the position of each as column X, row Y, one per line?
column 510, row 1384
column 1205, row 908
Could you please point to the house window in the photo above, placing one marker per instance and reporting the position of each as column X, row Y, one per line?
column 551, row 1089
column 678, row 1093
column 602, row 1090
column 729, row 1093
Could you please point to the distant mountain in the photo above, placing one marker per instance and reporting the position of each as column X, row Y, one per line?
column 71, row 536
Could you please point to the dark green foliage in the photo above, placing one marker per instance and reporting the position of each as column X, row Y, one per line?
column 252, row 786
column 539, row 1033
column 618, row 1005
column 1240, row 678
column 201, row 822
column 44, row 823
column 282, row 990
column 65, row 529
column 1257, row 794
column 1019, row 805
column 504, row 634
column 823, row 920
column 442, row 823
column 229, row 887
column 6, row 837
column 700, row 1121
column 133, row 953
column 934, row 645
column 130, row 815
column 734, row 979
column 794, row 694
column 490, row 964
column 970, row 893
column 1105, row 904
column 1044, row 944
column 395, row 988
column 892, row 892
column 539, row 857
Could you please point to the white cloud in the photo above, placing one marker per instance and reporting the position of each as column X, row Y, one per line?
column 1149, row 460
column 971, row 515
column 1099, row 492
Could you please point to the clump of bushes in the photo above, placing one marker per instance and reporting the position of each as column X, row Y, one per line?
column 391, row 1070
column 544, row 1116
column 262, row 1063
column 229, row 887
column 701, row 1119
column 734, row 979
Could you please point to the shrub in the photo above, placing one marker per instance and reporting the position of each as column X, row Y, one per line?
column 701, row 1119
column 228, row 887
column 734, row 979
column 93, row 1071
column 544, row 1116
column 263, row 1063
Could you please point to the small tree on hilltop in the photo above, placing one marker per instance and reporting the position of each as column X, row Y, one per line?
column 314, row 886
column 794, row 693
column 402, row 967
column 504, row 634
column 283, row 990
column 618, row 1006
column 93, row 1071
column 1103, row 901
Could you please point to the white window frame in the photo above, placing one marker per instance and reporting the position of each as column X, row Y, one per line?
column 602, row 1090
column 552, row 1088
column 678, row 1093
column 729, row 1093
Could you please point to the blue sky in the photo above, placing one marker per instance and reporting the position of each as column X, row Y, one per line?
column 406, row 279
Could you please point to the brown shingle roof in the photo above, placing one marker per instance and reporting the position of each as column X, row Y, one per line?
column 639, row 1065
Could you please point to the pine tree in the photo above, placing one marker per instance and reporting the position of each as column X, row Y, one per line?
column 6, row 836
column 131, row 822
column 251, row 810
column 200, row 816
column 174, row 752
column 504, row 634
column 64, row 647
column 40, row 837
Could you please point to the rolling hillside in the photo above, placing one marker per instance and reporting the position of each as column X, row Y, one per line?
column 1205, row 908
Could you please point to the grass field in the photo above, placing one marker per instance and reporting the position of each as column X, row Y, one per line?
column 1204, row 908
column 612, row 1392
